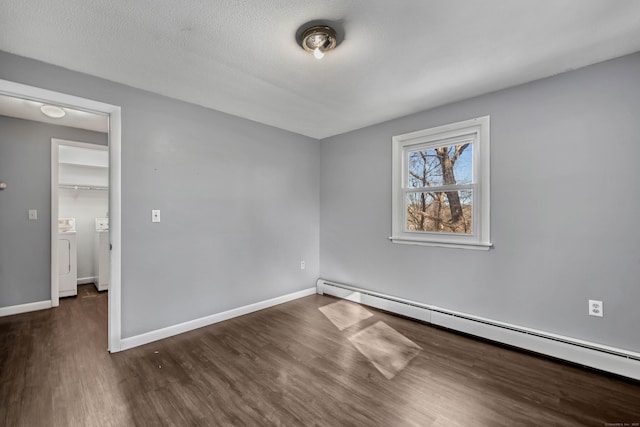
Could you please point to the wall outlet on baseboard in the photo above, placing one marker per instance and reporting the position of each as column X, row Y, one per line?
column 303, row 265
column 596, row 308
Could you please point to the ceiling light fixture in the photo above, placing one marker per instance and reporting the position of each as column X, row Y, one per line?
column 53, row 111
column 318, row 40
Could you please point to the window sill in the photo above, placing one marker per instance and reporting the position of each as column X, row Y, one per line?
column 456, row 245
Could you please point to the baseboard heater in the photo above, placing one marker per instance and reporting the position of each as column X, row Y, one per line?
column 598, row 356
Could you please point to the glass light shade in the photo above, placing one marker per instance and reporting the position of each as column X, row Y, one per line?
column 53, row 111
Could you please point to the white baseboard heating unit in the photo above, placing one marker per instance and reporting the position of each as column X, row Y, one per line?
column 598, row 356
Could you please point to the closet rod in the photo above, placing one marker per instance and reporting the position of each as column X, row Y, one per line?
column 82, row 187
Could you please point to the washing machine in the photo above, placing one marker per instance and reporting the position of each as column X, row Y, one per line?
column 67, row 258
column 101, row 254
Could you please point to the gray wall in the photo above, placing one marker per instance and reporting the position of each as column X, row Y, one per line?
column 240, row 206
column 564, row 202
column 25, row 165
column 239, row 201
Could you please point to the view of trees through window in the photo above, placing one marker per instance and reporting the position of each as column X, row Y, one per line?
column 433, row 203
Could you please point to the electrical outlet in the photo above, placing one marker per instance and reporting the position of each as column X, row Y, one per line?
column 596, row 308
column 155, row 215
column 33, row 214
column 303, row 265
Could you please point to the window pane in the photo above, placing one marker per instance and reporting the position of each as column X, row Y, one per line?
column 444, row 212
column 446, row 165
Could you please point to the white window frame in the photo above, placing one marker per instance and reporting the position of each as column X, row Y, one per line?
column 478, row 129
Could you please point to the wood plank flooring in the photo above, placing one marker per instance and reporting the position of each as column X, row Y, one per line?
column 288, row 366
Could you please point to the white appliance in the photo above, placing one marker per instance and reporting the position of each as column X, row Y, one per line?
column 67, row 258
column 101, row 254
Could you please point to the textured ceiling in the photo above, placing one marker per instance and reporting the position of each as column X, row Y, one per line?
column 241, row 57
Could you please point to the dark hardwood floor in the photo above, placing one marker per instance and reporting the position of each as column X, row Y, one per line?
column 292, row 365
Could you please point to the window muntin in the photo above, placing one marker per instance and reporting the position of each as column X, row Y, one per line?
column 441, row 185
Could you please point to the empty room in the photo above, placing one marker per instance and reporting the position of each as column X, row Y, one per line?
column 335, row 213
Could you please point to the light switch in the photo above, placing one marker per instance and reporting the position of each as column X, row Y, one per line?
column 33, row 214
column 155, row 215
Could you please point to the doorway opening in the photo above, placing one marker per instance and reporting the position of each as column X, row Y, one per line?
column 80, row 204
column 62, row 100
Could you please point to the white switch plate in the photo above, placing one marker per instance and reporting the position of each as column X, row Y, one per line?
column 596, row 308
column 33, row 214
column 303, row 265
column 155, row 215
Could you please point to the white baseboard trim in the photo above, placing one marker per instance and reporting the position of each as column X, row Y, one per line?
column 24, row 308
column 169, row 331
column 598, row 356
column 85, row 280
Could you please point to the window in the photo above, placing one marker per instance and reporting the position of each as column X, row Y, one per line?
column 441, row 186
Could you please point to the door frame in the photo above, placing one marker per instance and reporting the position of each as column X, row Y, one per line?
column 115, row 224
